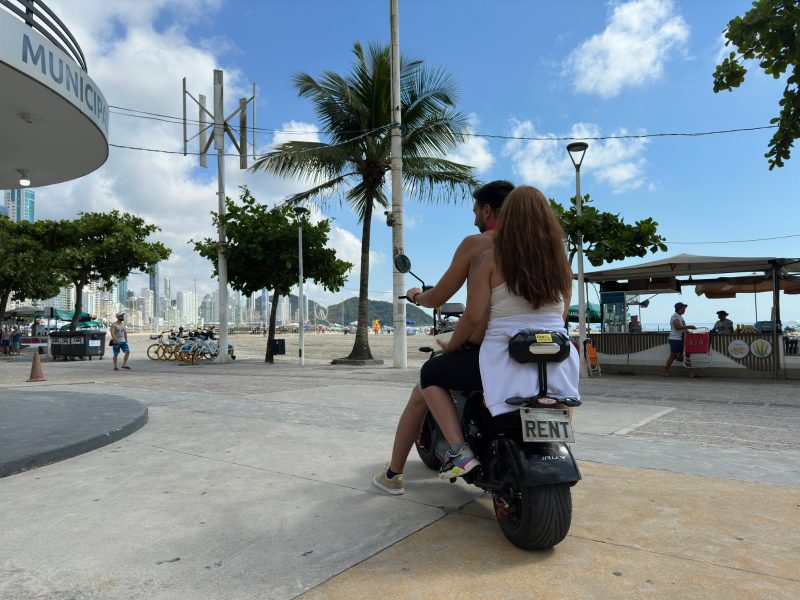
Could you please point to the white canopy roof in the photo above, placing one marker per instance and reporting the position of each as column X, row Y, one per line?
column 690, row 264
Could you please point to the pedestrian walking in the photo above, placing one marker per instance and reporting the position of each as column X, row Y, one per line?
column 678, row 327
column 119, row 341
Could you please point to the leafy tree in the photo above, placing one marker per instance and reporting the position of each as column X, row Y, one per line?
column 606, row 236
column 98, row 247
column 26, row 264
column 262, row 252
column 355, row 111
column 770, row 33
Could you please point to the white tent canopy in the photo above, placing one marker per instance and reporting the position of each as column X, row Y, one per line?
column 690, row 264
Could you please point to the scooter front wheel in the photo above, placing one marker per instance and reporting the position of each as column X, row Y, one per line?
column 535, row 517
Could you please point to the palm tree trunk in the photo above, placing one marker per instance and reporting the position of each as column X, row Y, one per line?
column 271, row 335
column 361, row 349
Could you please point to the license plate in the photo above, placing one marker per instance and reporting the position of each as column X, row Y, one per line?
column 546, row 425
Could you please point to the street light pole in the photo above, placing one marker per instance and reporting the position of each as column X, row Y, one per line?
column 576, row 151
column 300, row 211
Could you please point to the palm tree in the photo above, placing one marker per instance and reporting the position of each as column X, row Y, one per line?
column 355, row 111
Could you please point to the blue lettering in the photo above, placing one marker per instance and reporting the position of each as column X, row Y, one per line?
column 88, row 89
column 60, row 77
column 72, row 78
column 27, row 48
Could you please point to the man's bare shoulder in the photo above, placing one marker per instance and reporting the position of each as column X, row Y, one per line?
column 477, row 243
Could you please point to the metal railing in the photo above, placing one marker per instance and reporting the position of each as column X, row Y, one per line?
column 37, row 15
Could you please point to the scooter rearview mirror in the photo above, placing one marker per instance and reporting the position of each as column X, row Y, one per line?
column 402, row 263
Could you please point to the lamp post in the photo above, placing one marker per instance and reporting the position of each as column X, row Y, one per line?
column 576, row 151
column 300, row 211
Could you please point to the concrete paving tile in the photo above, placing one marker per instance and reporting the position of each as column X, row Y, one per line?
column 635, row 534
column 462, row 556
column 149, row 523
column 332, row 454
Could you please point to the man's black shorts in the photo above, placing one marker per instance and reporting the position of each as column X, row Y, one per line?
column 459, row 370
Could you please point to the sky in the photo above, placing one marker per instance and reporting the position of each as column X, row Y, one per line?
column 524, row 69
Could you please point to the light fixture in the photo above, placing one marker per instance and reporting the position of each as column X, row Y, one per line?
column 24, row 177
column 576, row 152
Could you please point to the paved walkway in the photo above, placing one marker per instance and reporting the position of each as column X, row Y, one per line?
column 254, row 481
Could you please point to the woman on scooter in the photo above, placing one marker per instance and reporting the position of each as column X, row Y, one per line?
column 524, row 283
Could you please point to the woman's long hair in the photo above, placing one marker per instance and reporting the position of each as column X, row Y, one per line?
column 529, row 248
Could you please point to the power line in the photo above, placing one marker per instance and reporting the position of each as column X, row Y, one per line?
column 161, row 151
column 780, row 237
column 542, row 138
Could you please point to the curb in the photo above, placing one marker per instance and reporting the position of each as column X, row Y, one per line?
column 40, row 459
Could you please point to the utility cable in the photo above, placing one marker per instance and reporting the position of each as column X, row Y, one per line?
column 780, row 237
column 542, row 138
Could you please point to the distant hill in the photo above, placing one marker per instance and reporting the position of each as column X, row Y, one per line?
column 347, row 311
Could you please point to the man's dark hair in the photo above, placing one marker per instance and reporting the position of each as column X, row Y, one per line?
column 493, row 193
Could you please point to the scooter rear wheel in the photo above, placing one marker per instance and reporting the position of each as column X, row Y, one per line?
column 424, row 444
column 536, row 517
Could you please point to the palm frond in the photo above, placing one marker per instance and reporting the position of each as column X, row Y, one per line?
column 424, row 176
column 320, row 190
column 304, row 159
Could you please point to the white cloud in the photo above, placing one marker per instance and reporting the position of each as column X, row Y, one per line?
column 140, row 66
column 348, row 247
column 474, row 151
column 545, row 163
column 639, row 38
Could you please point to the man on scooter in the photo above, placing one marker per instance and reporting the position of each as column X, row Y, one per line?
column 488, row 200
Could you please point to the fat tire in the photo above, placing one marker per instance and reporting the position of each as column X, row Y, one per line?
column 428, row 453
column 542, row 518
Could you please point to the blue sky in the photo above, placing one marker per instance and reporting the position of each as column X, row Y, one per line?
column 544, row 69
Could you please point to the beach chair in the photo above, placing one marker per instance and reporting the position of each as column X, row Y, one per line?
column 592, row 362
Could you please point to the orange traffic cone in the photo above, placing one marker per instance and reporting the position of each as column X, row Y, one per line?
column 36, row 369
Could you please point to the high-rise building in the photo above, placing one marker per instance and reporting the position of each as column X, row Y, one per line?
column 20, row 205
column 122, row 291
column 156, row 296
column 187, row 307
column 167, row 290
column 206, row 309
column 65, row 299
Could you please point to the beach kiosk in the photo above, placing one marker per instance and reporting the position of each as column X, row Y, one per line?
column 762, row 350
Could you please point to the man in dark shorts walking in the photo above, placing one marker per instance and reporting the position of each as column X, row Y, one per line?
column 119, row 341
column 677, row 328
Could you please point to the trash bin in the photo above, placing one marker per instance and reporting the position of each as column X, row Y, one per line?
column 80, row 344
column 278, row 346
column 95, row 343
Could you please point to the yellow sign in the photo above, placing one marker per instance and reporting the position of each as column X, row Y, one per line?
column 544, row 337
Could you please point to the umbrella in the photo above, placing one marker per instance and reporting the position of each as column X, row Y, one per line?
column 592, row 313
column 25, row 311
column 83, row 325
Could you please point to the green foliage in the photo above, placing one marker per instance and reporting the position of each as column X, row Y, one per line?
column 262, row 251
column 770, row 33
column 355, row 110
column 606, row 236
column 26, row 264
column 101, row 247
column 262, row 248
